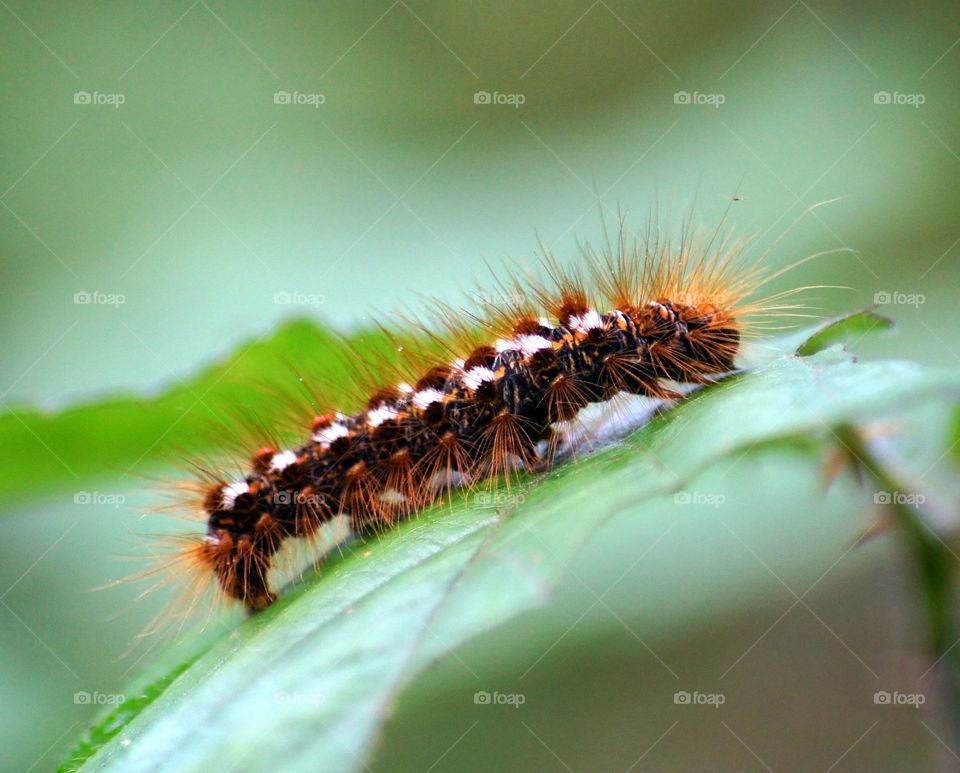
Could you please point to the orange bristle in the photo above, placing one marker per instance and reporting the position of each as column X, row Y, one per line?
column 476, row 395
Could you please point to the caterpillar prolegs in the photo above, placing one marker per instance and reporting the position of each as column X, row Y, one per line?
column 639, row 317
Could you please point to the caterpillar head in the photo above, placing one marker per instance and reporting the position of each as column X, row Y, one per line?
column 712, row 334
column 240, row 542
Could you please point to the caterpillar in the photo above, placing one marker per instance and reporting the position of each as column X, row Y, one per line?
column 642, row 315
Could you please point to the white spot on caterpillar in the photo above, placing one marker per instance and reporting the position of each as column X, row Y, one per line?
column 458, row 364
column 476, row 376
column 530, row 344
column 544, row 322
column 589, row 321
column 327, row 435
column 231, row 492
column 426, row 397
column 448, row 479
column 383, row 413
column 513, row 462
column 283, row 460
column 602, row 423
column 405, row 388
column 503, row 345
column 392, row 497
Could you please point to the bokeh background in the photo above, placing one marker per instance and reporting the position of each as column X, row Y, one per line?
column 180, row 178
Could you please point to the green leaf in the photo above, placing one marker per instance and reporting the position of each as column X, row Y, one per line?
column 74, row 447
column 846, row 328
column 316, row 676
column 955, row 435
column 114, row 721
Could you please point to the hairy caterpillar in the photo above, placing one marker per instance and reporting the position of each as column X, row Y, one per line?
column 639, row 316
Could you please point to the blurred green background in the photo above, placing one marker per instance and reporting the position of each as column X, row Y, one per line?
column 200, row 172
